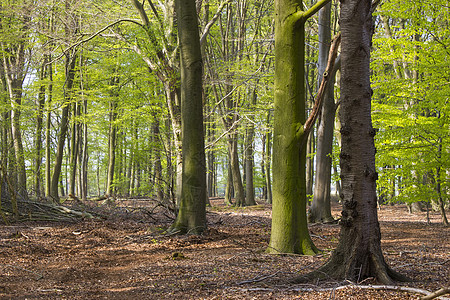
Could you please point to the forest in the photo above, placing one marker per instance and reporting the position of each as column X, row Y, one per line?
column 224, row 149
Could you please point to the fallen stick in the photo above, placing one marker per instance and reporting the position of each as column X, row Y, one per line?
column 381, row 287
column 438, row 293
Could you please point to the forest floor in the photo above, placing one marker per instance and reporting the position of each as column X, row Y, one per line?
column 126, row 256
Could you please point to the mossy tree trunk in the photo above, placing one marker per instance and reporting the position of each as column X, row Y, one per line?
column 358, row 254
column 289, row 232
column 191, row 217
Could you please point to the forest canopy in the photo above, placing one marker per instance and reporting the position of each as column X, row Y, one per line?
column 90, row 105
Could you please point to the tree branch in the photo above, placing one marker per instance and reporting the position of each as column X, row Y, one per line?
column 91, row 37
column 436, row 294
column 142, row 13
column 327, row 75
column 315, row 8
column 212, row 21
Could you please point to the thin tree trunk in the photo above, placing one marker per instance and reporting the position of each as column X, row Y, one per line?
column 64, row 125
column 75, row 146
column 249, row 159
column 268, row 160
column 438, row 185
column 238, row 187
column 110, row 189
column 14, row 64
column 39, row 126
column 48, row 166
column 158, row 177
column 249, row 188
column 84, row 150
column 320, row 210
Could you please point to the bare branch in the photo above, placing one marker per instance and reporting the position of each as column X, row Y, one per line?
column 74, row 46
column 327, row 75
column 211, row 23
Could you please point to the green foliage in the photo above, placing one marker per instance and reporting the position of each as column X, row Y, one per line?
column 411, row 104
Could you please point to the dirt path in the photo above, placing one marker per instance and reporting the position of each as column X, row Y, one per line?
column 124, row 258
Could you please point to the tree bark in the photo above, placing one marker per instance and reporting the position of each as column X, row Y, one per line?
column 358, row 255
column 39, row 126
column 268, row 160
column 63, row 127
column 236, row 178
column 289, row 233
column 320, row 210
column 249, row 159
column 48, row 166
column 158, row 179
column 249, row 187
column 191, row 217
column 14, row 70
column 111, row 148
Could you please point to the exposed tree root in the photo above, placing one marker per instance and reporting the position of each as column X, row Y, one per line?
column 337, row 268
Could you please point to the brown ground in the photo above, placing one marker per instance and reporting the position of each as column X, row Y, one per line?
column 126, row 257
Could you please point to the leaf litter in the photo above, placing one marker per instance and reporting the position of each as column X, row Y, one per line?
column 128, row 256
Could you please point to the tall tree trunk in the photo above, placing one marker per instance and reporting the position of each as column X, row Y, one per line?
column 263, row 167
column 14, row 68
column 158, row 177
column 289, row 233
column 48, row 126
column 192, row 213
column 84, row 149
column 358, row 255
column 310, row 157
column 320, row 210
column 249, row 160
column 112, row 143
column 39, row 126
column 438, row 184
column 64, row 125
column 238, row 187
column 268, row 160
column 249, row 187
column 5, row 119
column 229, row 189
column 74, row 149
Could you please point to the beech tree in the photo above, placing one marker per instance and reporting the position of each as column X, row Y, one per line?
column 191, row 217
column 320, row 210
column 289, row 233
column 358, row 254
column 14, row 28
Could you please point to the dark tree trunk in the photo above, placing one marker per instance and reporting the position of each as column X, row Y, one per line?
column 158, row 179
column 358, row 255
column 48, row 125
column 191, row 216
column 111, row 148
column 236, row 177
column 70, row 77
column 268, row 160
column 229, row 190
column 249, row 187
column 39, row 126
